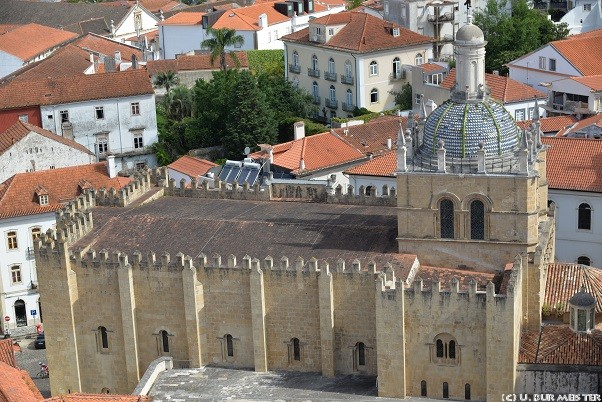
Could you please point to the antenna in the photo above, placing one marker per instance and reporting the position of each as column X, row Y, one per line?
column 247, row 151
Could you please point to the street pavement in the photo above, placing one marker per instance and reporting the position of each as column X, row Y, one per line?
column 29, row 358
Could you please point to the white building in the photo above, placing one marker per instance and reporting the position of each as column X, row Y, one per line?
column 110, row 113
column 575, row 56
column 189, row 167
column 353, row 59
column 27, row 209
column 585, row 16
column 576, row 96
column 575, row 187
column 27, row 148
column 261, row 25
column 29, row 43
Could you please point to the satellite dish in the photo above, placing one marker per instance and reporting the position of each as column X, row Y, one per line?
column 247, row 151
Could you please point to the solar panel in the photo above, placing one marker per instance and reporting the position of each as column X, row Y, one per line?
column 230, row 171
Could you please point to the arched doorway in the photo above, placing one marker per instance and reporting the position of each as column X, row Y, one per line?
column 20, row 313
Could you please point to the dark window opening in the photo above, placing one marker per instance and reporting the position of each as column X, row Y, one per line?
column 585, row 217
column 477, row 220
column 296, row 349
column 361, row 354
column 452, row 349
column 446, row 212
column 423, row 388
column 165, row 341
column 229, row 345
column 467, row 392
column 104, row 339
column 583, row 260
column 439, row 348
column 445, row 390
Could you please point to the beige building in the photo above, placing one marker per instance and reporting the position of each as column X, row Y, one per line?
column 353, row 59
column 432, row 297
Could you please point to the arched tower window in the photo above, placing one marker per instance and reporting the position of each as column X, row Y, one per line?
column 445, row 390
column 104, row 339
column 467, row 392
column 361, row 354
column 423, row 390
column 446, row 217
column 294, row 350
column 439, row 348
column 477, row 220
column 229, row 345
column 164, row 338
column 585, row 217
column 446, row 351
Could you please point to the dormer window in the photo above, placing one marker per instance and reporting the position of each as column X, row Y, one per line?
column 42, row 195
column 43, row 199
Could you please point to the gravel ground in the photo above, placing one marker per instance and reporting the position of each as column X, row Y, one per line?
column 28, row 359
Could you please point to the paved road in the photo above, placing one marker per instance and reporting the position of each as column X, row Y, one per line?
column 28, row 359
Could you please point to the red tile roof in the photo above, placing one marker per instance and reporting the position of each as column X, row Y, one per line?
column 247, row 18
column 19, row 130
column 98, row 398
column 549, row 124
column 7, row 353
column 564, row 280
column 318, row 151
column 432, row 67
column 503, row 89
column 184, row 18
column 592, row 81
column 574, row 164
column 361, row 33
column 106, row 46
column 371, row 137
column 582, row 51
column 595, row 120
column 17, row 386
column 191, row 166
column 193, row 62
column 17, row 193
column 28, row 41
column 4, row 28
column 383, row 166
column 558, row 344
column 54, row 91
column 445, row 276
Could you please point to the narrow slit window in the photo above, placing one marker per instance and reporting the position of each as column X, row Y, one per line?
column 229, row 346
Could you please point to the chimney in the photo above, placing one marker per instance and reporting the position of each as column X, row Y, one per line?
column 117, row 57
column 496, row 72
column 91, row 57
column 111, row 168
column 134, row 62
column 389, row 143
column 299, row 130
column 301, row 165
column 263, row 21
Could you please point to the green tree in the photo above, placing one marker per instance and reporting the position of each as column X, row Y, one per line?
column 403, row 98
column 510, row 36
column 167, row 80
column 178, row 103
column 221, row 39
column 351, row 4
column 250, row 120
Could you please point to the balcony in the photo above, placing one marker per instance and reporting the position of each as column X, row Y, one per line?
column 445, row 17
column 316, row 100
column 346, row 79
column 348, row 107
column 397, row 75
column 331, row 103
column 294, row 69
column 330, row 76
column 313, row 73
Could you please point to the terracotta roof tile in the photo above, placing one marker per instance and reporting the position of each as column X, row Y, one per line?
column 193, row 62
column 247, row 18
column 595, row 120
column 558, row 344
column 192, row 166
column 17, row 386
column 17, row 193
column 184, row 18
column 582, row 51
column 383, row 166
column 77, row 88
column 549, row 125
column 318, row 151
column 371, row 137
column 7, row 353
column 445, row 276
column 503, row 89
column 592, row 81
column 432, row 67
column 106, row 46
column 564, row 280
column 574, row 164
column 4, row 28
column 20, row 129
column 98, row 398
column 28, row 41
column 361, row 33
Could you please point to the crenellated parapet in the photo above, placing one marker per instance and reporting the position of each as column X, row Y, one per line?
column 219, row 190
column 127, row 194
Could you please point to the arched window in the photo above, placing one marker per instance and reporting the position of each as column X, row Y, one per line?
column 348, row 71
column 295, row 59
column 20, row 313
column 296, row 349
column 583, row 260
column 585, row 217
column 333, row 93
column 396, row 68
column 373, row 68
column 104, row 338
column 423, row 390
column 419, row 59
column 374, row 95
column 105, row 391
column 314, row 62
column 477, row 220
column 349, row 98
column 445, row 390
column 451, row 350
column 361, row 353
column 315, row 91
column 36, row 233
column 439, row 348
column 164, row 338
column 446, row 216
column 229, row 346
column 331, row 65
column 467, row 392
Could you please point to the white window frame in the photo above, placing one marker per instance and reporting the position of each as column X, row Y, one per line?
column 519, row 114
column 16, row 274
column 542, row 62
column 373, row 68
column 418, row 59
column 587, row 7
column 43, row 199
column 348, row 69
column 135, row 108
column 12, row 241
column 295, row 58
column 102, row 140
column 99, row 112
column 331, row 65
column 138, row 140
column 372, row 92
column 552, row 64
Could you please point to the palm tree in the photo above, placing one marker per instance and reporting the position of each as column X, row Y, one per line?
column 166, row 79
column 221, row 39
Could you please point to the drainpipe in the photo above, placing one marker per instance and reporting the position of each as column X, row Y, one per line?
column 357, row 83
column 285, row 61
